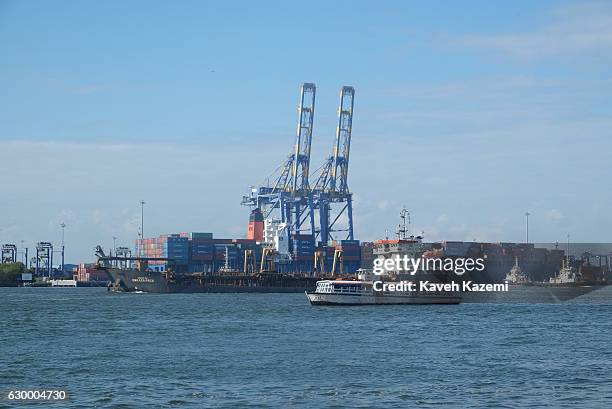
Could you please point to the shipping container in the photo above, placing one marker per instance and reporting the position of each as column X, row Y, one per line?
column 305, row 237
column 349, row 242
column 202, row 257
column 351, row 258
column 197, row 236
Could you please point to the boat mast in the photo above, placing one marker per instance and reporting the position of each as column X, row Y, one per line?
column 404, row 230
column 567, row 254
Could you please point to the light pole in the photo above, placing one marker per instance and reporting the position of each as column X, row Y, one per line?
column 114, row 248
column 142, row 203
column 63, row 226
column 568, row 253
column 527, row 214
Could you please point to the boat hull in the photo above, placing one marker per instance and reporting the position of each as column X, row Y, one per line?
column 131, row 280
column 386, row 299
column 532, row 293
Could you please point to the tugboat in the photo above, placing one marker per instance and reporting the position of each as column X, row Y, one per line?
column 516, row 275
column 567, row 275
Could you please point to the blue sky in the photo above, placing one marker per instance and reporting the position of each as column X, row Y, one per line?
column 468, row 113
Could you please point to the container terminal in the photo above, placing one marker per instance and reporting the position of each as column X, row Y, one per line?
column 296, row 225
column 301, row 224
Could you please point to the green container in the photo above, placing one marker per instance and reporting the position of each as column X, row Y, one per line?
column 206, row 236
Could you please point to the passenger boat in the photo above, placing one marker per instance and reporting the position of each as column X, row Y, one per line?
column 353, row 292
column 63, row 283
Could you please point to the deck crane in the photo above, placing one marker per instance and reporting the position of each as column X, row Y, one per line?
column 331, row 187
column 289, row 198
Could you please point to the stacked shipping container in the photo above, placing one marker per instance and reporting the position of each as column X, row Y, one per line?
column 200, row 252
column 171, row 246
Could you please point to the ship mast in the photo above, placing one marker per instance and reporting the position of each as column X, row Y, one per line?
column 567, row 253
column 403, row 230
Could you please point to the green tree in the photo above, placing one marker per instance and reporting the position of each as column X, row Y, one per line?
column 10, row 273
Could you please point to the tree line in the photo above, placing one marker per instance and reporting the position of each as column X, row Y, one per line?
column 10, row 273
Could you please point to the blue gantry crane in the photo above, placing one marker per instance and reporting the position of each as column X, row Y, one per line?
column 288, row 199
column 331, row 195
column 291, row 199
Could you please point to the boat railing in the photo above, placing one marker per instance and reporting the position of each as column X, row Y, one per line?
column 351, row 289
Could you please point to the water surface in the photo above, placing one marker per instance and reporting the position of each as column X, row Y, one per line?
column 275, row 350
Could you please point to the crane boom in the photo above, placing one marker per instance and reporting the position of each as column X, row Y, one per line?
column 339, row 171
column 301, row 156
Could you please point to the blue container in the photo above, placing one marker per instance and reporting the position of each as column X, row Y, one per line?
column 349, row 242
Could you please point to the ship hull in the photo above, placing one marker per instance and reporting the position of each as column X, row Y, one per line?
column 532, row 293
column 130, row 280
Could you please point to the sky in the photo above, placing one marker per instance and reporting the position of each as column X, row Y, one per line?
column 467, row 113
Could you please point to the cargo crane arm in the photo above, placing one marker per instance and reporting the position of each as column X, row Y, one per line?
column 331, row 187
column 333, row 174
column 342, row 147
column 303, row 141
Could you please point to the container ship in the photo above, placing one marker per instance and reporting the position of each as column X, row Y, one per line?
column 554, row 285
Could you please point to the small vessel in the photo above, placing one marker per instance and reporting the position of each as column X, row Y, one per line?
column 355, row 292
column 567, row 275
column 63, row 283
column 516, row 275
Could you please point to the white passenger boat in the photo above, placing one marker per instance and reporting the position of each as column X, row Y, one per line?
column 63, row 283
column 344, row 292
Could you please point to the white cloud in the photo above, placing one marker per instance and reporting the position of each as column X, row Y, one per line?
column 97, row 216
column 553, row 215
column 187, row 188
column 383, row 204
column 131, row 226
column 488, row 101
column 66, row 216
column 574, row 30
column 470, row 178
column 91, row 88
column 442, row 219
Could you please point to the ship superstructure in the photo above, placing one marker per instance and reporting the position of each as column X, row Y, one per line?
column 516, row 274
column 568, row 274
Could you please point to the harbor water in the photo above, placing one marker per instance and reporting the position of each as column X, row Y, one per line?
column 275, row 350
